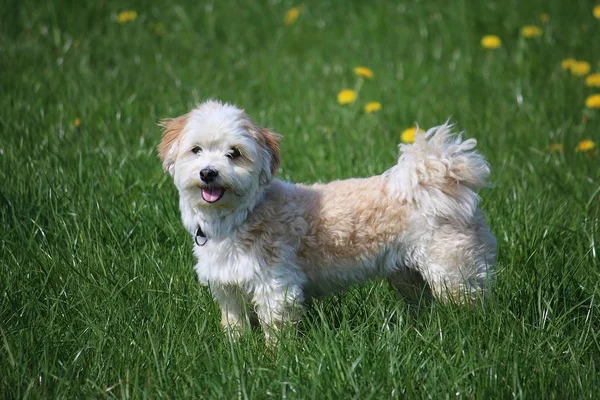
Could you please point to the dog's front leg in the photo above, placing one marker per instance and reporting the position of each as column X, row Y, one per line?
column 234, row 310
column 278, row 305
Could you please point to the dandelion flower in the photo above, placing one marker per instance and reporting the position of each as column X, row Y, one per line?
column 346, row 96
column 580, row 68
column 555, row 147
column 531, row 31
column 363, row 72
column 126, row 16
column 491, row 42
column 593, row 80
column 597, row 11
column 408, row 135
column 373, row 106
column 545, row 18
column 585, row 145
column 77, row 122
column 593, row 101
column 291, row 16
column 567, row 63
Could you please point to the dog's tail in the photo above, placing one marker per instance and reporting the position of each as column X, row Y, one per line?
column 440, row 173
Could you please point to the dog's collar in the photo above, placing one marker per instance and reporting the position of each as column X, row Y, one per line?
column 200, row 237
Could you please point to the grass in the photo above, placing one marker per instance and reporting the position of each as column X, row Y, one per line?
column 97, row 293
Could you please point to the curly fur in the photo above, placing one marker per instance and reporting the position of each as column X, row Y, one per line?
column 272, row 245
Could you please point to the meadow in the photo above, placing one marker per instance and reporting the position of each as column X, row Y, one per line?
column 97, row 293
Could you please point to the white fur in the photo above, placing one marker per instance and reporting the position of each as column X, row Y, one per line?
column 271, row 245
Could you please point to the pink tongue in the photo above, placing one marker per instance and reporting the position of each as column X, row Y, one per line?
column 211, row 195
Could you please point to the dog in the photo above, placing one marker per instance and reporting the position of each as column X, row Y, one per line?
column 264, row 247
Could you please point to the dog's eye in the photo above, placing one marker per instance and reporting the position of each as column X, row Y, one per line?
column 196, row 149
column 234, row 153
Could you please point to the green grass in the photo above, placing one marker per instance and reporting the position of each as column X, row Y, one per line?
column 97, row 293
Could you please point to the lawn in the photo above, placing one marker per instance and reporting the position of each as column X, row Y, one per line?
column 97, row 293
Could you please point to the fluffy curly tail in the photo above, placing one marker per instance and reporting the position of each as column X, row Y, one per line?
column 440, row 173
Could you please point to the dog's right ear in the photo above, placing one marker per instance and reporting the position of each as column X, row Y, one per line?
column 169, row 145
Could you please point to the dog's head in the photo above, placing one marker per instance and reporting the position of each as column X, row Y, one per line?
column 218, row 157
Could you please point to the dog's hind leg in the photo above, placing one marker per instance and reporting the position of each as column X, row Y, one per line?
column 457, row 260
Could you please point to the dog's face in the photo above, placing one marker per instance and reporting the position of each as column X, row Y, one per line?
column 218, row 157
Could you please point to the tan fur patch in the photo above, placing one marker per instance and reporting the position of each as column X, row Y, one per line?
column 173, row 127
column 325, row 223
column 267, row 138
column 355, row 217
column 272, row 141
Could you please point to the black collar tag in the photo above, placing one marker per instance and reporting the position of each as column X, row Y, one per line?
column 200, row 237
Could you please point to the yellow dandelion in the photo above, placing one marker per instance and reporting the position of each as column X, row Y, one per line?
column 363, row 72
column 585, row 145
column 346, row 96
column 597, row 11
column 593, row 101
column 555, row 147
column 408, row 135
column 77, row 122
column 593, row 80
column 126, row 16
column 545, row 18
column 567, row 63
column 491, row 42
column 291, row 16
column 373, row 106
column 530, row 31
column 580, row 68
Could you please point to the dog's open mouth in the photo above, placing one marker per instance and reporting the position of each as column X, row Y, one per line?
column 212, row 195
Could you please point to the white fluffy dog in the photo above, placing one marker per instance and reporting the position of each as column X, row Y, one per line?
column 265, row 246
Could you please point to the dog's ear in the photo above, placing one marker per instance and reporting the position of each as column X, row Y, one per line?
column 272, row 141
column 169, row 145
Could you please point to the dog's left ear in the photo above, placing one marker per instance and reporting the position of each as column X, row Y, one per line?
column 272, row 141
column 169, row 145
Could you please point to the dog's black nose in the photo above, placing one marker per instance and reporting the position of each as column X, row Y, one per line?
column 208, row 174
